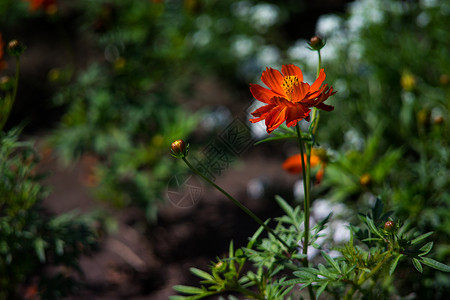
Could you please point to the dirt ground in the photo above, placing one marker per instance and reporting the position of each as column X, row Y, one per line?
column 143, row 261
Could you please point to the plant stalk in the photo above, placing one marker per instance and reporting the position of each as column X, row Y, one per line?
column 240, row 205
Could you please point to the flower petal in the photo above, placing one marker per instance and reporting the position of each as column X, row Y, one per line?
column 300, row 91
column 263, row 110
column 295, row 114
column 275, row 118
column 293, row 164
column 273, row 79
column 292, row 70
column 262, row 94
column 325, row 107
column 316, row 85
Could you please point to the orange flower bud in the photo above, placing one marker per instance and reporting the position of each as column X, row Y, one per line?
column 179, row 149
column 365, row 179
column 438, row 119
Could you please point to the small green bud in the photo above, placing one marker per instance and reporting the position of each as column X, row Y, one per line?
column 179, row 149
column 5, row 83
column 316, row 43
column 15, row 48
column 220, row 266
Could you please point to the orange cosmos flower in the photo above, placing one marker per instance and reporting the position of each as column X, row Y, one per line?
column 293, row 164
column 288, row 97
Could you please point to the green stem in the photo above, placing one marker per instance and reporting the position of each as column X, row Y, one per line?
column 9, row 100
column 315, row 115
column 241, row 206
column 319, row 65
column 16, row 83
column 306, row 188
column 363, row 278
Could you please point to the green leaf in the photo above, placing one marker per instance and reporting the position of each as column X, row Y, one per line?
column 274, row 138
column 188, row 289
column 201, row 274
column 177, row 298
column 394, row 264
column 292, row 282
column 255, row 236
column 417, row 265
column 420, row 238
column 371, row 239
column 331, row 261
column 426, row 248
column 39, row 247
column 285, row 206
column 321, row 289
column 377, row 210
column 435, row 264
column 372, row 227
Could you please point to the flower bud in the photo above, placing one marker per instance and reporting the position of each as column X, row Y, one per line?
column 389, row 226
column 15, row 48
column 365, row 179
column 408, row 81
column 220, row 266
column 5, row 83
column 439, row 119
column 316, row 43
column 444, row 79
column 179, row 149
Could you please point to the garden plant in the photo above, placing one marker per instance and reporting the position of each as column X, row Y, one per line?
column 362, row 268
column 358, row 117
column 39, row 253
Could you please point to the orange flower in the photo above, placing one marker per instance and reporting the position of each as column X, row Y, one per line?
column 288, row 97
column 3, row 64
column 47, row 5
column 293, row 164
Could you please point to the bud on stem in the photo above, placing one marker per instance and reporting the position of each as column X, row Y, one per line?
column 179, row 149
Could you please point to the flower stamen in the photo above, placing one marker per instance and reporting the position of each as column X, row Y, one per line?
column 288, row 85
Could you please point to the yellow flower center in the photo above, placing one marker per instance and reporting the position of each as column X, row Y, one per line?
column 288, row 84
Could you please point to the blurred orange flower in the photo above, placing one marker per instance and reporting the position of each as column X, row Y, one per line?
column 47, row 5
column 293, row 164
column 288, row 97
column 3, row 63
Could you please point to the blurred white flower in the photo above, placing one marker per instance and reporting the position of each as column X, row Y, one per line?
column 364, row 13
column 327, row 25
column 203, row 21
column 429, row 3
column 341, row 232
column 243, row 46
column 264, row 15
column 201, row 38
column 241, row 9
column 423, row 19
column 300, row 52
column 321, row 208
